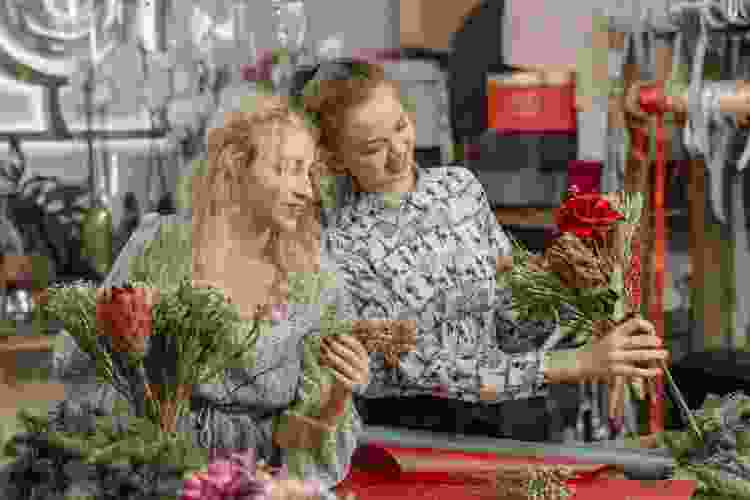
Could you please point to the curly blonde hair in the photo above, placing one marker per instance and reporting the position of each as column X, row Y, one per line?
column 246, row 141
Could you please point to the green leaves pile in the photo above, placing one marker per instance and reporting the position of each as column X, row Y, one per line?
column 713, row 481
column 141, row 442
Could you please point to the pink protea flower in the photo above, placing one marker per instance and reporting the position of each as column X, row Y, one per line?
column 237, row 476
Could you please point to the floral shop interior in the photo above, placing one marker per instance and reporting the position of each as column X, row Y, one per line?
column 605, row 337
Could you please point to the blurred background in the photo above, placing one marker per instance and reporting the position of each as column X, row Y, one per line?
column 104, row 105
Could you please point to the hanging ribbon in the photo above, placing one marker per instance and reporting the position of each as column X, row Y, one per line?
column 653, row 101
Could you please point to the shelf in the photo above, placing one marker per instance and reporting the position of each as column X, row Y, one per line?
column 524, row 216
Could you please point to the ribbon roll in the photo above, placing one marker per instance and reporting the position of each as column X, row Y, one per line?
column 653, row 100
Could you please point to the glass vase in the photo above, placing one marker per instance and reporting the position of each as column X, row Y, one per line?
column 96, row 227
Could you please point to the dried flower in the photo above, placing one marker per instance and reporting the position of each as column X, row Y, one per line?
column 576, row 264
column 534, row 482
column 392, row 338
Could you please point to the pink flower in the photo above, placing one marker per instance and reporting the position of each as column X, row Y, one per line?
column 280, row 312
column 225, row 479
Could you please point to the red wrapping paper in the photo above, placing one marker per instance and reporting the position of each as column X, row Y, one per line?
column 383, row 472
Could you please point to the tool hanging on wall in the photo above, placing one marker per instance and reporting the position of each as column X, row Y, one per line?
column 156, row 198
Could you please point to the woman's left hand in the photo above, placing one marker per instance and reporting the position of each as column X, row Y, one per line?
column 350, row 366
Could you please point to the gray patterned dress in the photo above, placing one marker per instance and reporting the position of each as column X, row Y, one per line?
column 430, row 255
column 238, row 413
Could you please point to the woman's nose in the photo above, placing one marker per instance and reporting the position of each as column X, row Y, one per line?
column 398, row 150
column 303, row 190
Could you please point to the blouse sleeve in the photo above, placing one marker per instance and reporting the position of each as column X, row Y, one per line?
column 512, row 368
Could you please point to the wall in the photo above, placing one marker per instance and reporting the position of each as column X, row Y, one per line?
column 362, row 23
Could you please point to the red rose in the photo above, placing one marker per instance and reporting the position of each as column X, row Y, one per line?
column 586, row 216
column 124, row 315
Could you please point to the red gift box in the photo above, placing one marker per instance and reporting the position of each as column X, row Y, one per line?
column 531, row 109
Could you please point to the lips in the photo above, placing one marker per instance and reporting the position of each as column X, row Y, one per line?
column 298, row 209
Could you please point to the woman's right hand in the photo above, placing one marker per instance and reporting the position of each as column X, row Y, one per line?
column 629, row 350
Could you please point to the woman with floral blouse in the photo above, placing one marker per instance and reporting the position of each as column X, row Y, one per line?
column 424, row 245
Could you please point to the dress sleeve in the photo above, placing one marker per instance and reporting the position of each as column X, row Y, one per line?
column 328, row 458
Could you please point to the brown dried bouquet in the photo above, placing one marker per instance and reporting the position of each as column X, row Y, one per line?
column 388, row 337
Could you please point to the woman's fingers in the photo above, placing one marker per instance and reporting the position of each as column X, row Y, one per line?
column 343, row 379
column 351, row 343
column 639, row 356
column 504, row 264
column 616, row 398
column 635, row 326
column 640, row 342
column 343, row 366
column 631, row 371
column 351, row 351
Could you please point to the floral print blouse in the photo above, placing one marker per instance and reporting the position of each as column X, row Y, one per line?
column 430, row 255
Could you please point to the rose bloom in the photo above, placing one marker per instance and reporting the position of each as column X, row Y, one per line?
column 587, row 216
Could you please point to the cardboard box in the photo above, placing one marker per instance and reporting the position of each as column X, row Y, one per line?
column 422, row 25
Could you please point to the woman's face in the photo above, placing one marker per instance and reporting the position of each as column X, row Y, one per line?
column 282, row 190
column 377, row 142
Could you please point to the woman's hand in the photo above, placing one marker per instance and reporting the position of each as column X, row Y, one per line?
column 629, row 350
column 503, row 264
column 350, row 365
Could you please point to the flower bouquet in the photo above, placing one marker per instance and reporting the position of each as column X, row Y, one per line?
column 151, row 347
column 588, row 279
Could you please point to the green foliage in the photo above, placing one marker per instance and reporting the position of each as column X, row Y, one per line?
column 328, row 191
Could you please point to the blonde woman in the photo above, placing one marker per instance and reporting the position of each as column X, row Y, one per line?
column 254, row 225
